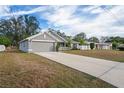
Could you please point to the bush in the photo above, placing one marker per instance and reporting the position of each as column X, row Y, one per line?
column 5, row 41
column 57, row 47
column 92, row 45
column 114, row 45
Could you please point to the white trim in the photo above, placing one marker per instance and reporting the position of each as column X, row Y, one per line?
column 43, row 40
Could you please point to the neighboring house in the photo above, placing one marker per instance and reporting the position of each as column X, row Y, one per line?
column 103, row 46
column 43, row 42
column 75, row 45
column 97, row 46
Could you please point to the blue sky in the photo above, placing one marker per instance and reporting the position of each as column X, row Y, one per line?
column 93, row 20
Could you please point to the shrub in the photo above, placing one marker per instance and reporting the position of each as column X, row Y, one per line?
column 5, row 41
column 114, row 45
column 92, row 45
column 57, row 47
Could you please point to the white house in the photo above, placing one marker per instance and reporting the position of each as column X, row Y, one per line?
column 43, row 42
column 98, row 46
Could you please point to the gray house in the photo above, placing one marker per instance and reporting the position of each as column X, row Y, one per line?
column 43, row 42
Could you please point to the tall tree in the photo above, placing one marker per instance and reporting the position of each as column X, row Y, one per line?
column 116, row 39
column 93, row 39
column 18, row 28
column 62, row 34
column 79, row 36
column 103, row 39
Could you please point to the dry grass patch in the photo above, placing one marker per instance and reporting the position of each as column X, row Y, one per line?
column 103, row 54
column 30, row 70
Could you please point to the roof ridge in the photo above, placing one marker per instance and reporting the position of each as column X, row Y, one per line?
column 58, row 35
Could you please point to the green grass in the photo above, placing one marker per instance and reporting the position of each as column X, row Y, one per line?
column 30, row 70
column 113, row 55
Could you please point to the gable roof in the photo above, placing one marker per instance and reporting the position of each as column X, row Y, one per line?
column 50, row 33
column 57, row 36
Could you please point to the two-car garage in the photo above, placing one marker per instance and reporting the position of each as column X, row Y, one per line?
column 38, row 46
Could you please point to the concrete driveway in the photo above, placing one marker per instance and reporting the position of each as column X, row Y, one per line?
column 109, row 71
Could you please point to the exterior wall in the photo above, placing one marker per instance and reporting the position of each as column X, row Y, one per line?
column 103, row 46
column 84, row 47
column 106, row 47
column 24, row 46
column 42, row 46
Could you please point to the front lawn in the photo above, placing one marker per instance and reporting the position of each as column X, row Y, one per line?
column 103, row 54
column 30, row 70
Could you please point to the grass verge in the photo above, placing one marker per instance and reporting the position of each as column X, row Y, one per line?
column 112, row 55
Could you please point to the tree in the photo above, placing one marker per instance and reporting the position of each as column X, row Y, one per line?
column 94, row 39
column 114, row 45
column 69, row 39
column 80, row 36
column 5, row 41
column 117, row 39
column 18, row 28
column 92, row 45
column 82, row 42
column 62, row 34
column 103, row 39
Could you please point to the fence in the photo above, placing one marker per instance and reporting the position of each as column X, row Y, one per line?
column 64, row 48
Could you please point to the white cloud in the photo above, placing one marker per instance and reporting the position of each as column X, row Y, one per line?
column 62, row 16
column 102, row 25
column 67, row 19
column 5, row 11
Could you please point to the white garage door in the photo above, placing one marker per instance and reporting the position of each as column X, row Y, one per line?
column 42, row 46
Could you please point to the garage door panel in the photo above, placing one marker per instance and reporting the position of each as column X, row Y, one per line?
column 42, row 46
